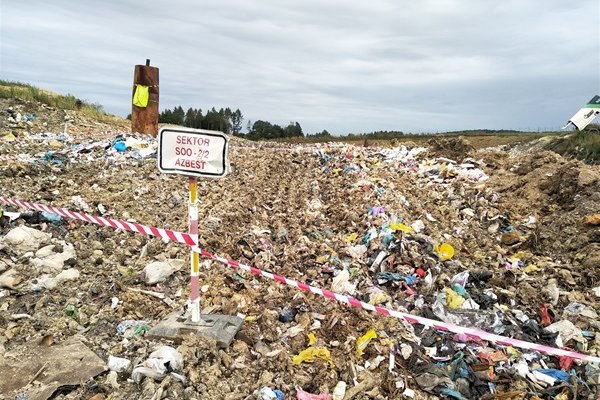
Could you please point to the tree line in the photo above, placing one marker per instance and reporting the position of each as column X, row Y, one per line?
column 224, row 120
column 227, row 121
column 266, row 130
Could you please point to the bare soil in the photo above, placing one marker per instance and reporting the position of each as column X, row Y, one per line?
column 291, row 212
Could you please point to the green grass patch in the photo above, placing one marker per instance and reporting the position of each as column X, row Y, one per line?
column 583, row 145
column 24, row 91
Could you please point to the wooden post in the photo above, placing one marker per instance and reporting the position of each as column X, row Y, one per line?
column 145, row 119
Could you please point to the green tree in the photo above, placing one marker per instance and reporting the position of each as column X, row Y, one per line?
column 236, row 122
column 178, row 115
column 265, row 130
column 198, row 119
column 324, row 133
column 292, row 130
column 165, row 117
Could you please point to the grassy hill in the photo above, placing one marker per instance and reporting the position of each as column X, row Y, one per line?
column 583, row 145
column 24, row 91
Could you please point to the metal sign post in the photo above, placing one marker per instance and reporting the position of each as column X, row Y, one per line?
column 195, row 153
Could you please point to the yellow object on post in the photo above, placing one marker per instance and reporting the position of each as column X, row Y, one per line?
column 140, row 97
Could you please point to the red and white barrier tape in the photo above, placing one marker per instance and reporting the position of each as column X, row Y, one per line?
column 413, row 319
column 20, row 157
column 113, row 223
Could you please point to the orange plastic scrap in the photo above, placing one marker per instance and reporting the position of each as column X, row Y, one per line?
column 592, row 219
column 544, row 315
column 493, row 357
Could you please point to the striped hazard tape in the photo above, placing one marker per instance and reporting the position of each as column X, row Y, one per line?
column 413, row 319
column 185, row 238
column 19, row 157
column 113, row 223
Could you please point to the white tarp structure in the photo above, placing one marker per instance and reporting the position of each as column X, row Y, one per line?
column 586, row 115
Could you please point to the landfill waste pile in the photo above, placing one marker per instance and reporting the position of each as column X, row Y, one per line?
column 504, row 241
column 38, row 121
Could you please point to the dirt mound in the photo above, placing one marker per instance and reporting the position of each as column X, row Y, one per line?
column 376, row 224
column 559, row 193
column 456, row 148
column 22, row 118
column 583, row 145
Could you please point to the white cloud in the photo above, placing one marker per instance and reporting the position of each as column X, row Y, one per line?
column 344, row 66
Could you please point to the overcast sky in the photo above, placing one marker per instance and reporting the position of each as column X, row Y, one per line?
column 345, row 66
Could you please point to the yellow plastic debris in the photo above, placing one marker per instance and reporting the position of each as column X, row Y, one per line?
column 531, row 268
column 379, row 298
column 312, row 353
column 397, row 226
column 352, row 237
column 250, row 318
column 140, row 97
column 322, row 259
column 364, row 340
column 9, row 137
column 445, row 251
column 453, row 299
column 512, row 352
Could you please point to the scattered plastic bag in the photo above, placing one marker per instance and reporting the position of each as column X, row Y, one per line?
column 460, row 279
column 312, row 353
column 121, row 147
column 567, row 331
column 377, row 210
column 445, row 251
column 266, row 393
column 364, row 340
column 574, row 310
column 339, row 391
column 118, row 364
column 544, row 315
column 302, row 395
column 54, row 218
column 453, row 299
column 137, row 326
column 341, row 283
column 397, row 226
column 453, row 393
column 160, row 362
column 551, row 375
column 352, row 237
